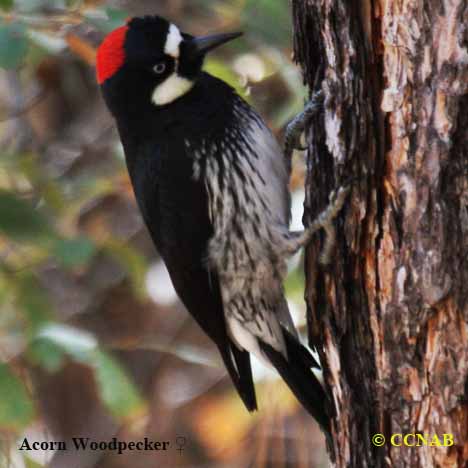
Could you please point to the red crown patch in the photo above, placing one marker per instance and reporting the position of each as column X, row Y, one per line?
column 110, row 54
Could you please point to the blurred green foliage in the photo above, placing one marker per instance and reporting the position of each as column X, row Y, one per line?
column 20, row 221
column 13, row 44
column 6, row 4
column 35, row 212
column 40, row 207
column 16, row 408
column 115, row 18
column 55, row 341
column 258, row 16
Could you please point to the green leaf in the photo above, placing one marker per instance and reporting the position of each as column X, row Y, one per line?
column 32, row 300
column 78, row 344
column 6, row 4
column 74, row 252
column 46, row 354
column 16, row 408
column 13, row 44
column 116, row 389
column 19, row 220
column 55, row 340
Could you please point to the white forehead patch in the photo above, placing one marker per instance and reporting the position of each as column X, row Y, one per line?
column 173, row 40
column 170, row 89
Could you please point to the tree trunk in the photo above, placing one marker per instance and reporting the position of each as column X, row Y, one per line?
column 390, row 315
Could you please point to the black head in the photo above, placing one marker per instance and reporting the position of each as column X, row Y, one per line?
column 150, row 61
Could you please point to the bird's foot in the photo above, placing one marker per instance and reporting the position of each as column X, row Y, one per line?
column 295, row 128
column 325, row 221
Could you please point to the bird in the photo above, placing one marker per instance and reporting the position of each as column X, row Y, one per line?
column 211, row 183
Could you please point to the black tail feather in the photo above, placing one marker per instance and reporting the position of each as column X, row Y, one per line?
column 297, row 351
column 244, row 366
column 242, row 376
column 296, row 372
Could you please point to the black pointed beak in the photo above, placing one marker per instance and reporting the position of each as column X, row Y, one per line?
column 202, row 45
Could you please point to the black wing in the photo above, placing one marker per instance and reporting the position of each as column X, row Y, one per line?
column 175, row 209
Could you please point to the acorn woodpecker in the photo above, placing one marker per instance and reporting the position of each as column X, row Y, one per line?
column 212, row 186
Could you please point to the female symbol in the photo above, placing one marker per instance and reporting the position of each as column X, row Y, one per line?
column 180, row 442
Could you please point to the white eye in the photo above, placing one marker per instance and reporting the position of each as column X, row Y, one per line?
column 159, row 68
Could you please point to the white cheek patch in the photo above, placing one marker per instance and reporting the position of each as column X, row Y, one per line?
column 169, row 90
column 173, row 40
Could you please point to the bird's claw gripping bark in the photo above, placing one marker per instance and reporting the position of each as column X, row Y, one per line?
column 323, row 221
column 326, row 218
column 337, row 198
column 295, row 128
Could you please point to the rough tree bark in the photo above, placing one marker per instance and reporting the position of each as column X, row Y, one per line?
column 390, row 314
